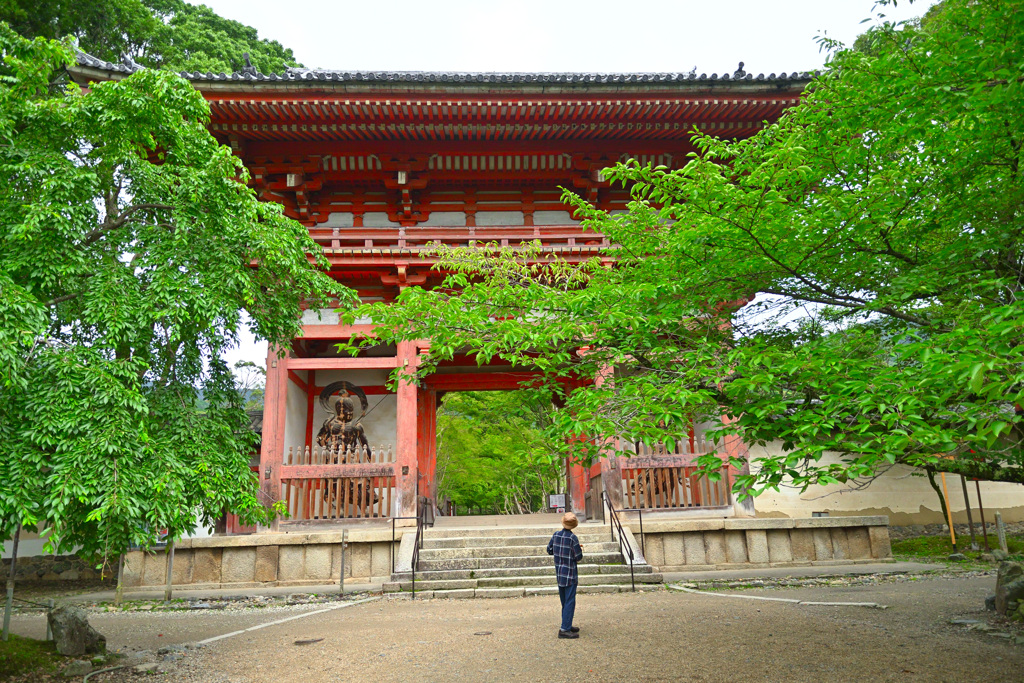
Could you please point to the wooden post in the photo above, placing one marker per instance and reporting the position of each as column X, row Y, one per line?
column 577, row 487
column 119, row 591
column 9, row 605
column 1001, row 532
column 170, row 571
column 49, row 629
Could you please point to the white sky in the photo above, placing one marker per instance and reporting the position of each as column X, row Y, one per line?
column 557, row 35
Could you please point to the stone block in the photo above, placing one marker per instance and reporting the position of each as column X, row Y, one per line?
column 318, row 562
column 801, row 543
column 181, row 573
column 840, row 544
column 500, row 592
column 238, row 565
column 654, row 549
column 881, row 546
column 380, row 559
column 291, row 563
column 779, row 548
column 359, row 554
column 693, row 548
column 155, row 571
column 714, row 547
column 206, row 565
column 735, row 547
column 757, row 546
column 267, row 557
column 134, row 564
column 822, row 544
column 673, row 545
column 860, row 543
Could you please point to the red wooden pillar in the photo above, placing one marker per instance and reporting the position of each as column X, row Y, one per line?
column 577, row 485
column 406, row 470
column 426, row 441
column 272, row 450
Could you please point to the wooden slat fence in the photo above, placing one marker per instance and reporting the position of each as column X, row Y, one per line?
column 323, row 484
column 663, row 477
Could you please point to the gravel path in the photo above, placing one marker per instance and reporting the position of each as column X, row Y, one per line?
column 650, row 636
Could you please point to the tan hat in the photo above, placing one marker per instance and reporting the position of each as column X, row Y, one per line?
column 569, row 521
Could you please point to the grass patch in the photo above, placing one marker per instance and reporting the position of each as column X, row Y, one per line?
column 21, row 656
column 939, row 547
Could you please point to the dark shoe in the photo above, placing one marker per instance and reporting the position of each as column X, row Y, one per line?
column 567, row 634
column 575, row 629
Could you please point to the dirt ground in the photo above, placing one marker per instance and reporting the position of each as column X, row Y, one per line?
column 650, row 636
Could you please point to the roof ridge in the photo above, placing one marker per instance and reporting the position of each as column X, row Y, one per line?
column 303, row 74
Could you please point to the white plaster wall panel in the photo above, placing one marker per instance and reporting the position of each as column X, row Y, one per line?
column 378, row 219
column 323, row 316
column 899, row 493
column 295, row 417
column 339, row 219
column 499, row 218
column 553, row 218
column 445, row 218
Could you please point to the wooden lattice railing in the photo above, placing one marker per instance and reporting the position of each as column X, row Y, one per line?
column 663, row 477
column 322, row 484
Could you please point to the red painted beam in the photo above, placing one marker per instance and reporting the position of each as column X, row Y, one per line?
column 336, row 331
column 330, row 471
column 342, row 363
column 490, row 381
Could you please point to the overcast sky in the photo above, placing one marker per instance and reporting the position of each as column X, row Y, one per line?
column 558, row 35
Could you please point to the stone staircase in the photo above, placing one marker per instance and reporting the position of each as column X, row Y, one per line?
column 512, row 562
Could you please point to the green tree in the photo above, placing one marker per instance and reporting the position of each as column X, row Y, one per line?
column 170, row 34
column 130, row 247
column 492, row 455
column 846, row 282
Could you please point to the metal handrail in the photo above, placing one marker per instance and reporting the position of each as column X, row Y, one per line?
column 421, row 525
column 643, row 540
column 393, row 540
column 616, row 524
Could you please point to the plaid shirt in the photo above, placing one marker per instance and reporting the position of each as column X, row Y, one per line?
column 567, row 551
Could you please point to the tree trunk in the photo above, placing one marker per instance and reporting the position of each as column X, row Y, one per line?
column 10, row 584
column 938, row 492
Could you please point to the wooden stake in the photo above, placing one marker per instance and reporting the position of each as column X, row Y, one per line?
column 981, row 509
column 1001, row 532
column 949, row 511
column 9, row 605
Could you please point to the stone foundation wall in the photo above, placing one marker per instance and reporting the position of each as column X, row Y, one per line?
column 695, row 545
column 265, row 559
column 39, row 568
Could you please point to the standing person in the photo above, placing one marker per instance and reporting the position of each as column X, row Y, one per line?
column 567, row 551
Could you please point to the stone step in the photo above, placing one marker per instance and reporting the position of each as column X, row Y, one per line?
column 583, row 569
column 508, row 551
column 514, row 592
column 518, row 582
column 514, row 531
column 508, row 562
column 495, row 541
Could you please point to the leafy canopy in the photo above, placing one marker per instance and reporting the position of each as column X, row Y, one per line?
column 170, row 34
column 847, row 281
column 130, row 247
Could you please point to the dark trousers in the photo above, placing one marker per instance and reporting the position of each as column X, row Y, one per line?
column 567, row 594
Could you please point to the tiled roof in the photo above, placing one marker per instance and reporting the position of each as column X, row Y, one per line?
column 452, row 77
